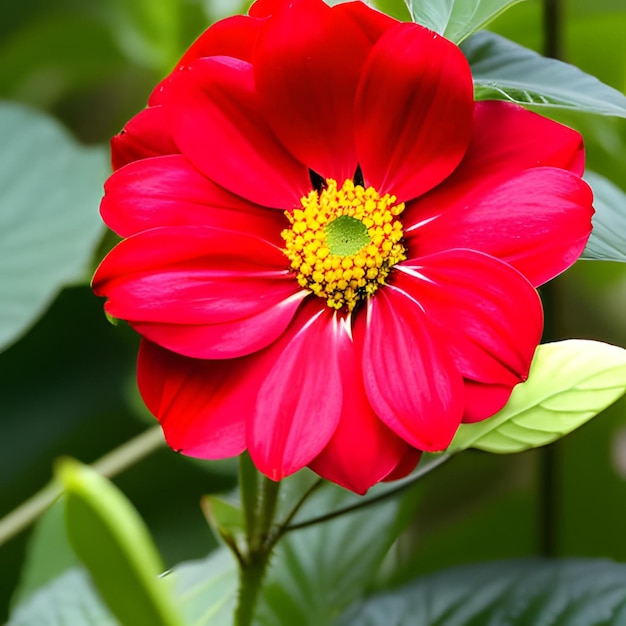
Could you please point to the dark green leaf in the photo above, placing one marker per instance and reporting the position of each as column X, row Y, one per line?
column 504, row 70
column 456, row 19
column 317, row 571
column 50, row 188
column 608, row 238
column 516, row 593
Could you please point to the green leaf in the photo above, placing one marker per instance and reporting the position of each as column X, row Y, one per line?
column 569, row 383
column 68, row 600
column 225, row 518
column 503, row 70
column 573, row 592
column 457, row 19
column 317, row 571
column 50, row 188
column 48, row 555
column 608, row 238
column 110, row 538
column 206, row 590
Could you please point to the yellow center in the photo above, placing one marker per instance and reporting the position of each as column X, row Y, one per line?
column 343, row 242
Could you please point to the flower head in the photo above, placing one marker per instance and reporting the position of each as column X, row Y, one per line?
column 330, row 250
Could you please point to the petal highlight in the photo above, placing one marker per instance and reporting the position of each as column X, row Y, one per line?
column 219, row 127
column 299, row 403
column 309, row 102
column 538, row 222
column 201, row 292
column 410, row 379
column 362, row 450
column 413, row 111
column 169, row 191
column 489, row 313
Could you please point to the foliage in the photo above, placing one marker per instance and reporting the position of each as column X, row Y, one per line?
column 67, row 374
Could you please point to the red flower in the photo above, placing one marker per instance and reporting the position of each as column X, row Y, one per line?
column 330, row 249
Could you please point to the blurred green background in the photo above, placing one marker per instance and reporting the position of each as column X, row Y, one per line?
column 67, row 383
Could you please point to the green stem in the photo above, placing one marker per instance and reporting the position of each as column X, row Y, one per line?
column 259, row 511
column 399, row 486
column 249, row 490
column 109, row 465
column 251, row 574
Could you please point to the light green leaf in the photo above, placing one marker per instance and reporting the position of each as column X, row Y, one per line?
column 50, row 188
column 569, row 383
column 317, row 571
column 68, row 600
column 503, row 70
column 608, row 238
column 206, row 590
column 110, row 538
column 457, row 19
column 574, row 592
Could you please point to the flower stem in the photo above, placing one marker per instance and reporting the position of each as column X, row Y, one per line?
column 109, row 465
column 259, row 507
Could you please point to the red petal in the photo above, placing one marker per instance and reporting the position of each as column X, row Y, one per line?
column 169, row 191
column 409, row 377
column 406, row 465
column 202, row 292
column 300, row 401
column 373, row 23
column 309, row 101
column 506, row 140
column 489, row 313
column 145, row 135
column 483, row 401
column 362, row 451
column 413, row 111
column 219, row 128
column 538, row 221
column 202, row 405
column 231, row 37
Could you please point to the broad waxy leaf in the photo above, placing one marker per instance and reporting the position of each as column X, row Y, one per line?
column 67, row 600
column 569, row 383
column 504, row 70
column 608, row 238
column 50, row 188
column 574, row 592
column 206, row 590
column 456, row 19
column 110, row 538
column 317, row 571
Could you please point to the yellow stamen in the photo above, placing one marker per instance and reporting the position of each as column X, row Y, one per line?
column 343, row 242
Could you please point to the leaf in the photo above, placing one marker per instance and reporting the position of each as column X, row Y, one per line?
column 48, row 554
column 49, row 223
column 317, row 571
column 569, row 383
column 457, row 19
column 68, row 600
column 503, row 70
column 608, row 238
column 205, row 591
column 110, row 538
column 574, row 592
